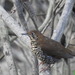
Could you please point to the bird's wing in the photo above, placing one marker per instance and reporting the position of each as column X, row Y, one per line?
column 55, row 49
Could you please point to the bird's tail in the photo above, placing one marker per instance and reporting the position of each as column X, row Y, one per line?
column 71, row 45
column 72, row 49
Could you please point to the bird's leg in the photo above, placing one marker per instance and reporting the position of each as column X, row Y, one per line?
column 49, row 60
column 41, row 63
column 45, row 68
column 48, row 67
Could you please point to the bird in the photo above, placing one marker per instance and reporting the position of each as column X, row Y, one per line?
column 51, row 47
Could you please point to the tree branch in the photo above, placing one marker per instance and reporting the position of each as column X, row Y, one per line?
column 23, row 39
column 48, row 15
column 63, row 20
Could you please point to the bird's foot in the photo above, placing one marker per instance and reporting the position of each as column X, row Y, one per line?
column 41, row 63
column 45, row 68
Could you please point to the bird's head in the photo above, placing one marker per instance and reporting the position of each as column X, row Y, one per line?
column 35, row 34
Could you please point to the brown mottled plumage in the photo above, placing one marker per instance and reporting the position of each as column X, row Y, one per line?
column 51, row 47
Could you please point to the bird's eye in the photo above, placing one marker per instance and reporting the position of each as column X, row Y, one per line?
column 34, row 35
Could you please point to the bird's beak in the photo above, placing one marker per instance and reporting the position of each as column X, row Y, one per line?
column 24, row 33
column 32, row 35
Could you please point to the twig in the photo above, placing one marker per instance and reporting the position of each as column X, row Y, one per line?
column 19, row 10
column 63, row 20
column 51, row 20
column 27, row 6
column 48, row 15
column 7, row 50
column 58, row 5
column 24, row 39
